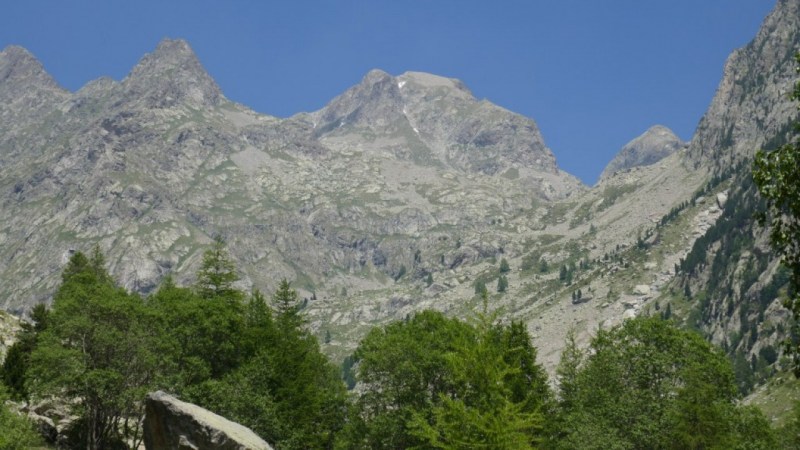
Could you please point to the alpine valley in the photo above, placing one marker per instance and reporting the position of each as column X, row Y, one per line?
column 404, row 193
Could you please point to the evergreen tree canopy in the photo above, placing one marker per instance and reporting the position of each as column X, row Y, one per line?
column 98, row 346
column 217, row 274
column 647, row 384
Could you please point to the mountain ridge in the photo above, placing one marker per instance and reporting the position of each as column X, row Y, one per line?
column 397, row 181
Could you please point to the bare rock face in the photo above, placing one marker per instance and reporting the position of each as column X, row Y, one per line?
column 652, row 146
column 172, row 424
column 439, row 118
column 150, row 166
column 752, row 103
column 171, row 75
column 27, row 91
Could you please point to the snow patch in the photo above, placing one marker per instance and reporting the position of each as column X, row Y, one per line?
column 415, row 130
column 401, row 84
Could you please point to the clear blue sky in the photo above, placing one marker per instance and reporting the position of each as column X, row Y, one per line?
column 593, row 74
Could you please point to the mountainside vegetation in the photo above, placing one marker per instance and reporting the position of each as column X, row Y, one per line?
column 425, row 382
column 776, row 172
column 451, row 287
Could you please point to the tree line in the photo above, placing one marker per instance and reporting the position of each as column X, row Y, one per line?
column 429, row 381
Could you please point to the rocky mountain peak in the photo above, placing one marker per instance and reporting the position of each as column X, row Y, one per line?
column 375, row 102
column 19, row 69
column 650, row 147
column 172, row 74
column 27, row 91
column 751, row 104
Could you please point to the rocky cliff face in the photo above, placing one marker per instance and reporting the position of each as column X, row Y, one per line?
column 347, row 197
column 652, row 146
column 751, row 105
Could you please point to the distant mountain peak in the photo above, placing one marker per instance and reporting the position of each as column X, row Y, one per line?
column 650, row 147
column 172, row 74
column 18, row 66
column 374, row 101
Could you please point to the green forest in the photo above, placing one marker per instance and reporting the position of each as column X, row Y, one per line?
column 429, row 381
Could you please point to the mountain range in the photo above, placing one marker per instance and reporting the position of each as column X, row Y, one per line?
column 402, row 193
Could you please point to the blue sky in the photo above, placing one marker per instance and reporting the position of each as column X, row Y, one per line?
column 593, row 74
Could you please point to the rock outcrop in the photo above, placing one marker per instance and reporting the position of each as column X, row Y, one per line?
column 650, row 147
column 172, row 424
column 751, row 105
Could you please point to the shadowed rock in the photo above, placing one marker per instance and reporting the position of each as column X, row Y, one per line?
column 172, row 424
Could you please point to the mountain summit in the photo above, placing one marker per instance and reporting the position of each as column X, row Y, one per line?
column 27, row 91
column 387, row 175
column 170, row 75
column 652, row 146
column 439, row 120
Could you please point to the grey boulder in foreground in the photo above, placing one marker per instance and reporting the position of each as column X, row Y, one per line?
column 172, row 424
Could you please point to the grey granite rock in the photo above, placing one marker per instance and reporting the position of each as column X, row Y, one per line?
column 650, row 147
column 173, row 424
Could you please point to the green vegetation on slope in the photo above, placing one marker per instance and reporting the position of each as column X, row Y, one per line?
column 426, row 382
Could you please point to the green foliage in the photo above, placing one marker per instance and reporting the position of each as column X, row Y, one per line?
column 244, row 358
column 99, row 346
column 16, row 432
column 15, row 365
column 776, row 173
column 502, row 283
column 287, row 392
column 499, row 393
column 647, row 384
column 480, row 287
column 504, row 267
column 217, row 274
column 203, row 337
column 567, row 371
column 402, row 367
column 433, row 382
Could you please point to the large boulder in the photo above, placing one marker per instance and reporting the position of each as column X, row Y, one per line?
column 172, row 424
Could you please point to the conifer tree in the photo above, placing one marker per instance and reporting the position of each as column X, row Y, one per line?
column 217, row 274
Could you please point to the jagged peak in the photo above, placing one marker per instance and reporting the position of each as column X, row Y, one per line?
column 18, row 65
column 174, row 67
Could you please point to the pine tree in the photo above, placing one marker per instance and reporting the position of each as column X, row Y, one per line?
column 504, row 267
column 543, row 268
column 480, row 287
column 502, row 283
column 567, row 370
column 217, row 274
